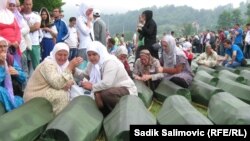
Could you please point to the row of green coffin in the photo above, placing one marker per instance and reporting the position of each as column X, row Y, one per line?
column 79, row 121
column 205, row 85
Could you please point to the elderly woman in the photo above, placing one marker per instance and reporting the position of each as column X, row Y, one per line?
column 147, row 69
column 122, row 55
column 10, row 76
column 175, row 64
column 52, row 79
column 109, row 80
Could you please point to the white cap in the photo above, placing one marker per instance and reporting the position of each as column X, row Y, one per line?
column 97, row 12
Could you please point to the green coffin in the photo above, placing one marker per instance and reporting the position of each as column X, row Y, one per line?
column 144, row 92
column 202, row 92
column 208, row 70
column 239, row 90
column 245, row 74
column 79, row 121
column 194, row 66
column 177, row 109
column 129, row 111
column 27, row 122
column 167, row 88
column 230, row 75
column 225, row 108
column 220, row 68
column 206, row 77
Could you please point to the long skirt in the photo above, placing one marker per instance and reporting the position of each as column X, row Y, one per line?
column 47, row 46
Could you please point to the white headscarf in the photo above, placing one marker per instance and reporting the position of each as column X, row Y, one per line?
column 121, row 50
column 82, row 11
column 101, row 50
column 169, row 58
column 58, row 47
column 6, row 16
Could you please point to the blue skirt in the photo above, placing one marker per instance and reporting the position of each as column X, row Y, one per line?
column 47, row 46
column 5, row 100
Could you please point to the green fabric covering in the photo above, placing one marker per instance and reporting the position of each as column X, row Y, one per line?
column 225, row 108
column 194, row 66
column 167, row 88
column 232, row 76
column 245, row 74
column 239, row 90
column 144, row 92
column 219, row 68
column 2, row 110
column 208, row 70
column 177, row 109
column 79, row 121
column 205, row 77
column 129, row 110
column 202, row 92
column 27, row 122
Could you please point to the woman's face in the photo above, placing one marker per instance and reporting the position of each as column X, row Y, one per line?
column 3, row 47
column 61, row 57
column 165, row 46
column 144, row 59
column 44, row 15
column 93, row 57
column 12, row 7
column 122, row 57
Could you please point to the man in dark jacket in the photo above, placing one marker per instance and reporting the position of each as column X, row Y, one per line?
column 149, row 31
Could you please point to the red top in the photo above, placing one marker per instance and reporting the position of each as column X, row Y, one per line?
column 11, row 32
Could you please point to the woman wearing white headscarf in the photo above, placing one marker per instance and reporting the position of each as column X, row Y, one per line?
column 122, row 54
column 84, row 26
column 108, row 78
column 175, row 64
column 9, row 29
column 52, row 79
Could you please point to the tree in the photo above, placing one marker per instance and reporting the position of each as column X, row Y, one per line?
column 225, row 20
column 236, row 16
column 188, row 29
column 49, row 4
column 248, row 13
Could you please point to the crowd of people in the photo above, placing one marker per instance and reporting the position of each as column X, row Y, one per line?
column 42, row 56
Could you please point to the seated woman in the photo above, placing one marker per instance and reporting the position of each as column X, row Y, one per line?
column 147, row 69
column 122, row 55
column 10, row 76
column 208, row 58
column 175, row 64
column 53, row 78
column 108, row 79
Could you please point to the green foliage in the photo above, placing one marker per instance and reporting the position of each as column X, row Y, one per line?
column 229, row 18
column 49, row 4
column 248, row 13
column 188, row 29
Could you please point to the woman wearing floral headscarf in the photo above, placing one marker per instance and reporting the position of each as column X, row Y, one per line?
column 52, row 79
column 108, row 79
column 9, row 71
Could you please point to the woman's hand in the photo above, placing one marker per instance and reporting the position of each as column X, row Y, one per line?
column 68, row 85
column 146, row 77
column 13, row 71
column 74, row 63
column 87, row 85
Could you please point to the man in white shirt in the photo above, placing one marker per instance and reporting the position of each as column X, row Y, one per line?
column 247, row 42
column 34, row 22
column 73, row 39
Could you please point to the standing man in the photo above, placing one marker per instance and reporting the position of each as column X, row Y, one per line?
column 34, row 22
column 60, row 26
column 99, row 27
column 149, row 31
column 238, row 36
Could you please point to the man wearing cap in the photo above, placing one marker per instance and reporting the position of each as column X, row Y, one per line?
column 99, row 27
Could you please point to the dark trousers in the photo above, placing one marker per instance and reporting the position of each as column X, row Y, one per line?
column 179, row 81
